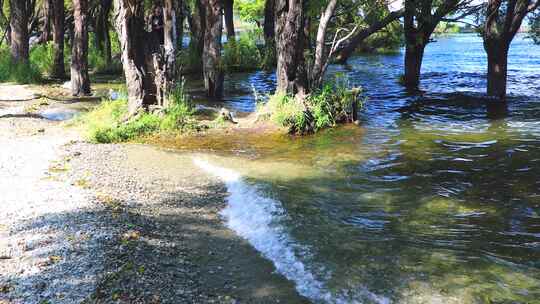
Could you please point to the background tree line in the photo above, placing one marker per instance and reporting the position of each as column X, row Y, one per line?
column 299, row 38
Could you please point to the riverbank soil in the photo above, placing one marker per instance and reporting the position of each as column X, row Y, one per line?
column 116, row 223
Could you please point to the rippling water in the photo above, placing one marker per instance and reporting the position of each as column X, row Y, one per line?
column 435, row 199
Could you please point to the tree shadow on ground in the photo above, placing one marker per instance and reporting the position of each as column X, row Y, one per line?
column 175, row 250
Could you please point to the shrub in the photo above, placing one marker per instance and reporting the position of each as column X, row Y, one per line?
column 105, row 123
column 97, row 60
column 42, row 57
column 20, row 72
column 243, row 54
column 324, row 108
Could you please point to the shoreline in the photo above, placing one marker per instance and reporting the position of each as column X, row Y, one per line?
column 150, row 215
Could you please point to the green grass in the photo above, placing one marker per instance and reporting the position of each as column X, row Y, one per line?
column 19, row 72
column 243, row 54
column 105, row 123
column 322, row 109
column 179, row 114
column 42, row 56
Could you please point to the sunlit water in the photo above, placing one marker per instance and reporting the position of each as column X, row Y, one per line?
column 434, row 199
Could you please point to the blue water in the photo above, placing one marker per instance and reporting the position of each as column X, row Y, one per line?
column 434, row 198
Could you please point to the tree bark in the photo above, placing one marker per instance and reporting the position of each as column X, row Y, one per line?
column 355, row 41
column 103, row 39
column 212, row 70
column 229, row 19
column 80, row 81
column 47, row 17
column 130, row 26
column 291, row 73
column 498, row 34
column 414, row 55
column 20, row 13
column 321, row 55
column 197, row 26
column 168, row 68
column 58, row 69
column 497, row 71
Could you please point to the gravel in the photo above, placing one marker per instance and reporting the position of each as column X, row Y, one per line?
column 51, row 233
column 85, row 223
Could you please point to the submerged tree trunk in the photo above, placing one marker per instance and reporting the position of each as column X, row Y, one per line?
column 130, row 26
column 20, row 12
column 355, row 41
column 58, row 68
column 414, row 55
column 291, row 73
column 503, row 21
column 229, row 19
column 497, row 69
column 103, row 39
column 80, row 81
column 212, row 70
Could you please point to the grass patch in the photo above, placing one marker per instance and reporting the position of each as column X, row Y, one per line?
column 242, row 55
column 19, row 72
column 106, row 124
column 327, row 107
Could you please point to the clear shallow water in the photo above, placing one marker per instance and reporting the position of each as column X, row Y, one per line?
column 434, row 199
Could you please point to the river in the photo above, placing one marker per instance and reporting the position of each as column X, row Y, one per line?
column 435, row 198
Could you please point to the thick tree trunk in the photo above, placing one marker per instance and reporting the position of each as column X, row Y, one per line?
column 20, row 12
column 355, row 41
column 269, row 35
column 80, row 81
column 497, row 69
column 229, row 19
column 414, row 55
column 130, row 26
column 291, row 73
column 197, row 26
column 58, row 69
column 212, row 70
column 103, row 39
column 47, row 17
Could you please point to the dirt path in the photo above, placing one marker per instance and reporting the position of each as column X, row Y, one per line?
column 117, row 224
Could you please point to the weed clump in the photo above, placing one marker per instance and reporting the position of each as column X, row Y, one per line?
column 242, row 55
column 19, row 72
column 106, row 123
column 334, row 103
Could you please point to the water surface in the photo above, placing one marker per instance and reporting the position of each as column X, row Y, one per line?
column 435, row 198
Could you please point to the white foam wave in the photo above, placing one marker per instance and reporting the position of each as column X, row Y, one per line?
column 256, row 218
